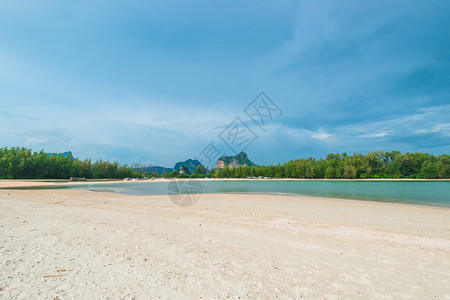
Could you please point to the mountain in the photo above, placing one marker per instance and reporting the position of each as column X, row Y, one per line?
column 189, row 165
column 240, row 159
column 153, row 170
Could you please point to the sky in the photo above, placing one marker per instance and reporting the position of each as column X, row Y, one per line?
column 155, row 82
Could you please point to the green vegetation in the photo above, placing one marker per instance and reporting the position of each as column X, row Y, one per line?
column 342, row 166
column 372, row 165
column 22, row 163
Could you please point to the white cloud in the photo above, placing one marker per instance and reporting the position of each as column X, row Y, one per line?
column 35, row 141
column 443, row 129
column 320, row 135
column 375, row 134
column 421, row 131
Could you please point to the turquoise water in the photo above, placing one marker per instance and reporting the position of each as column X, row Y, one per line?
column 425, row 192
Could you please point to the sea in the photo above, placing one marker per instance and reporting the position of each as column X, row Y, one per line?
column 416, row 192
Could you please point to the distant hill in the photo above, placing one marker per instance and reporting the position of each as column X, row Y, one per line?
column 240, row 159
column 189, row 165
column 153, row 170
column 64, row 154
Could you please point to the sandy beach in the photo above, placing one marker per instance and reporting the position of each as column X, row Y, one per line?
column 78, row 244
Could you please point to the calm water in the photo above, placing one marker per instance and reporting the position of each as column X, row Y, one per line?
column 427, row 192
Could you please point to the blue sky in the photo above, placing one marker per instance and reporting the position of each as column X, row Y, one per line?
column 155, row 81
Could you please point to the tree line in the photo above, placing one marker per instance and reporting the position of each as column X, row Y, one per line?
column 377, row 164
column 23, row 163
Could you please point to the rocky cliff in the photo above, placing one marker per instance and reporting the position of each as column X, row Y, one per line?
column 240, row 159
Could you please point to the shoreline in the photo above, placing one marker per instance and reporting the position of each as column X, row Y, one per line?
column 37, row 182
column 342, row 198
column 37, row 185
column 339, row 198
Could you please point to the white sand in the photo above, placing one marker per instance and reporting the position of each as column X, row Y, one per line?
column 109, row 246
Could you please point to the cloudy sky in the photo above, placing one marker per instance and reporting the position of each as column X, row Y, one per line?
column 156, row 81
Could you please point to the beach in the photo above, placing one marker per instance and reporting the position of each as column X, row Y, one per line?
column 80, row 244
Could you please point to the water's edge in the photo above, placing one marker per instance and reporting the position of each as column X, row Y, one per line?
column 434, row 193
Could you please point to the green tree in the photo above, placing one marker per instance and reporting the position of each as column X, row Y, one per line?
column 199, row 170
column 330, row 172
column 349, row 172
column 428, row 170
